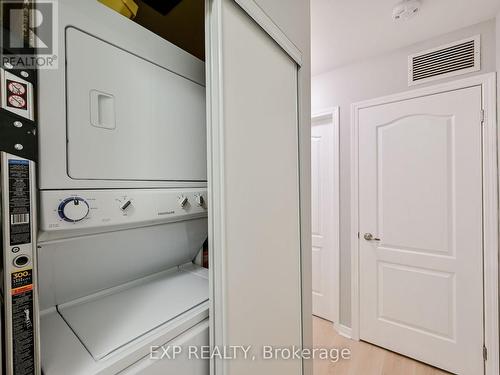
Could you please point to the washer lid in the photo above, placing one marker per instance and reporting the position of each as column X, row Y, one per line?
column 110, row 320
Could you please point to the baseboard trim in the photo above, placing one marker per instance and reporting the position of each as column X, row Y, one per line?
column 343, row 330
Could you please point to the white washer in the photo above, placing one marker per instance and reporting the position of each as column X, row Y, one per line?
column 122, row 329
column 116, row 278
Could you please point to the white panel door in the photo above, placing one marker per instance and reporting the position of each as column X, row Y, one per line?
column 325, row 204
column 420, row 194
column 254, row 172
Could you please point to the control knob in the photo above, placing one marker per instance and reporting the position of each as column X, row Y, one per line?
column 183, row 201
column 73, row 209
column 126, row 205
column 200, row 201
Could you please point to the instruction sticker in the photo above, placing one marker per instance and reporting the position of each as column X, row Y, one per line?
column 19, row 202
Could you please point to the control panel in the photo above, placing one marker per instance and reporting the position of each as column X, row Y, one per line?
column 88, row 209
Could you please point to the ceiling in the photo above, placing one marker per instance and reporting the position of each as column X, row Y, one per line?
column 345, row 31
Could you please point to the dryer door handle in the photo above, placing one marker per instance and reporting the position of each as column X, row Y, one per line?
column 102, row 110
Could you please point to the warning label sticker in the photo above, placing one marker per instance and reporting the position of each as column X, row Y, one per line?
column 19, row 202
column 17, row 94
column 23, row 335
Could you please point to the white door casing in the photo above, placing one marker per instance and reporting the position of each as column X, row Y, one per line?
column 420, row 191
column 325, row 214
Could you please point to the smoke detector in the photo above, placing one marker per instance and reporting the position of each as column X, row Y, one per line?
column 405, row 9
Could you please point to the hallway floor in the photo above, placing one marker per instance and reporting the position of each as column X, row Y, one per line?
column 366, row 359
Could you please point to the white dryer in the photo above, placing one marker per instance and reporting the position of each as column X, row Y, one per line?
column 125, row 108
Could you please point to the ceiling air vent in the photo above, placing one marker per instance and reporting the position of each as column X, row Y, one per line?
column 446, row 61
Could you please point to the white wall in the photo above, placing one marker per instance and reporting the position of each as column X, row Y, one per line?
column 373, row 78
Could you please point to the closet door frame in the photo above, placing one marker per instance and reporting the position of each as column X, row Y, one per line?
column 215, row 137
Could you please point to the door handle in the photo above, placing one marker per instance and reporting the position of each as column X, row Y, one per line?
column 370, row 237
column 102, row 110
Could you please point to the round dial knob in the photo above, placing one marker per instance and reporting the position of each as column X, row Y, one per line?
column 73, row 209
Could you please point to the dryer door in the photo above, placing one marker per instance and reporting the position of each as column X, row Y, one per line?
column 130, row 119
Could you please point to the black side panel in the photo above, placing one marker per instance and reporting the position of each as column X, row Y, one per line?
column 18, row 136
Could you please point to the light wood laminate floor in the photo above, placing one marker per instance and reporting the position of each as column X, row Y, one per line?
column 366, row 359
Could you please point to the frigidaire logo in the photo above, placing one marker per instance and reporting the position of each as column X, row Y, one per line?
column 29, row 34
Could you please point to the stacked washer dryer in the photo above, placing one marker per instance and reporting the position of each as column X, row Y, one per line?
column 122, row 178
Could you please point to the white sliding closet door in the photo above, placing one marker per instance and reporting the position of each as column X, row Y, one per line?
column 254, row 231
